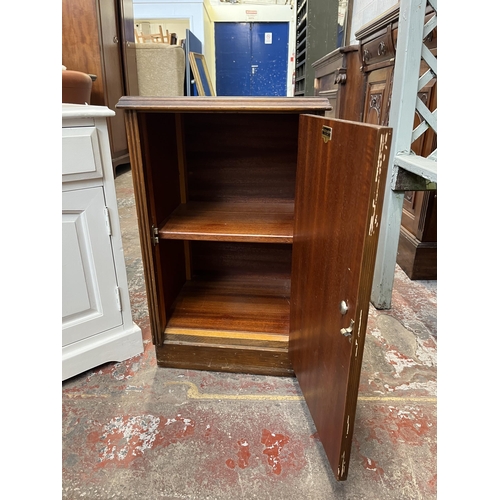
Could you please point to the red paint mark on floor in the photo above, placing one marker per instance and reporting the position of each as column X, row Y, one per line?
column 408, row 425
column 315, row 436
column 368, row 463
column 274, row 444
column 126, row 438
column 230, row 463
column 433, row 483
column 243, row 456
column 78, row 391
column 185, row 429
column 371, row 465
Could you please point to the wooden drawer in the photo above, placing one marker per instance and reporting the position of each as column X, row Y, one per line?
column 378, row 50
column 81, row 155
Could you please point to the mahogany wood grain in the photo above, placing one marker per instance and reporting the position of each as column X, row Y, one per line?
column 161, row 176
column 241, row 259
column 352, row 91
column 233, row 359
column 340, row 186
column 161, row 164
column 257, row 222
column 258, row 304
column 227, row 337
column 143, row 216
column 260, row 105
column 241, row 157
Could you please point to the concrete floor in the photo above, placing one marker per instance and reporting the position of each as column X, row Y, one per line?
column 133, row 430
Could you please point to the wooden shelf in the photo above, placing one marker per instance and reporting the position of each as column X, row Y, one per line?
column 231, row 324
column 232, row 309
column 242, row 222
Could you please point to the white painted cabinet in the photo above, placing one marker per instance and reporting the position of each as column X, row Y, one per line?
column 97, row 324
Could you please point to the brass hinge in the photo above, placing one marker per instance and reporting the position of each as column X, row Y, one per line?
column 154, row 235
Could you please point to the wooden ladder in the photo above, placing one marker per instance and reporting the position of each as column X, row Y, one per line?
column 410, row 172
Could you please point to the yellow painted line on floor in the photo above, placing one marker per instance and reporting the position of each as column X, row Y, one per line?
column 416, row 399
column 194, row 393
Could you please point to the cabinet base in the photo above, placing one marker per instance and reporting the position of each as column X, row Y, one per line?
column 113, row 345
column 418, row 259
column 233, row 359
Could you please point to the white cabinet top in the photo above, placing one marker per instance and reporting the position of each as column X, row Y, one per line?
column 85, row 111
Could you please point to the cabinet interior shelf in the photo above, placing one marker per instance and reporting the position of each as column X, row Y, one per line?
column 247, row 221
column 236, row 310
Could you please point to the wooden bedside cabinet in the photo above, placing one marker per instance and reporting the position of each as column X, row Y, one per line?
column 259, row 224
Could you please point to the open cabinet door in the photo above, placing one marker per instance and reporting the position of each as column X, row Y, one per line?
column 341, row 176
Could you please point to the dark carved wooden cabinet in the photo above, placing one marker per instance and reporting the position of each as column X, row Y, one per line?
column 357, row 80
column 417, row 250
column 98, row 39
column 258, row 233
column 337, row 77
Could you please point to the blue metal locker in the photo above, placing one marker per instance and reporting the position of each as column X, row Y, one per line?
column 251, row 59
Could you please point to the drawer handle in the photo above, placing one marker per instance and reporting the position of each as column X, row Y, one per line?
column 382, row 49
column 366, row 56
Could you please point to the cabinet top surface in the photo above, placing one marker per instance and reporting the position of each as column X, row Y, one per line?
column 85, row 111
column 225, row 104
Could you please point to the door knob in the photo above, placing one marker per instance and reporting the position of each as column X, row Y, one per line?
column 343, row 307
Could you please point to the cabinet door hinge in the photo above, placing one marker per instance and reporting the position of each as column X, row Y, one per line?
column 118, row 298
column 107, row 221
column 154, row 235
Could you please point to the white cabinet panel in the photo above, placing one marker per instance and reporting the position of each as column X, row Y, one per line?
column 89, row 283
column 80, row 154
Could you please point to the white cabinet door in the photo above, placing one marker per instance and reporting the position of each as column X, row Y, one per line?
column 90, row 303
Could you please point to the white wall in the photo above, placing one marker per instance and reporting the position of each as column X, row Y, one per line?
column 364, row 11
column 177, row 26
column 173, row 9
